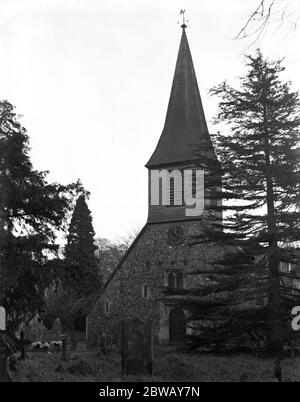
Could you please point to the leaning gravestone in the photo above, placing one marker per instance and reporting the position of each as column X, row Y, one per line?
column 136, row 347
column 37, row 329
column 4, row 376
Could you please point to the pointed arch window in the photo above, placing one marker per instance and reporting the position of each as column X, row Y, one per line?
column 107, row 307
column 174, row 279
column 145, row 291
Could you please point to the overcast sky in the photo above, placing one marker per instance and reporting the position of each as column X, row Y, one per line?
column 92, row 80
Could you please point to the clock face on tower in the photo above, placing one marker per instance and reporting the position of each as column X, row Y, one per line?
column 175, row 235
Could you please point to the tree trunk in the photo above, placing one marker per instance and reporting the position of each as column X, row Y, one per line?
column 275, row 341
column 23, row 351
column 64, row 350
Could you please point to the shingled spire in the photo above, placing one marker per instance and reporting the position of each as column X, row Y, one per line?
column 185, row 134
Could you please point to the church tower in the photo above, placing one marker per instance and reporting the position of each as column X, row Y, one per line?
column 184, row 144
column 163, row 256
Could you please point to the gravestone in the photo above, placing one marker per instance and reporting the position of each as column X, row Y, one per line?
column 36, row 331
column 104, row 342
column 2, row 319
column 37, row 328
column 4, row 376
column 136, row 347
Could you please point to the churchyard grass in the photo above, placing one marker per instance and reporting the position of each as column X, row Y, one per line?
column 169, row 365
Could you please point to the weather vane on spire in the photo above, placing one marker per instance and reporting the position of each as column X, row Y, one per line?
column 183, row 25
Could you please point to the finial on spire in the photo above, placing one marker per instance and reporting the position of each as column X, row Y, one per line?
column 183, row 25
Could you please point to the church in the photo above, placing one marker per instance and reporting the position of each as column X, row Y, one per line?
column 162, row 256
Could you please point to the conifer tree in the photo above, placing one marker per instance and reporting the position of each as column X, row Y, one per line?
column 247, row 293
column 82, row 276
column 31, row 212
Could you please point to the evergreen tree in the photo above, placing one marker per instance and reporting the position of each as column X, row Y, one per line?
column 247, row 293
column 81, row 264
column 31, row 211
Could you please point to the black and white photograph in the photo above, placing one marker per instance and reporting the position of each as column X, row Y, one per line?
column 149, row 194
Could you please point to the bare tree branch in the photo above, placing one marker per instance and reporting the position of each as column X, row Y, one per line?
column 266, row 12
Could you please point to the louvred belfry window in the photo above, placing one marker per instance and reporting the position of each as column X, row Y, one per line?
column 172, row 192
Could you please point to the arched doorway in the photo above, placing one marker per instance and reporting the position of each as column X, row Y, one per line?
column 177, row 326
